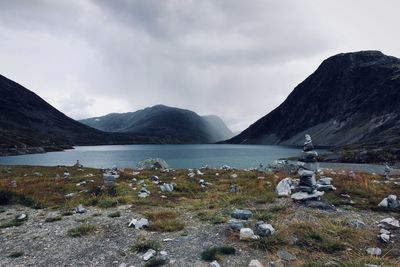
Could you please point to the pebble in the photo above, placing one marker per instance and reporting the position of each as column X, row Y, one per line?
column 374, row 251
column 149, row 254
column 255, row 263
column 286, row 256
column 241, row 214
column 215, row 264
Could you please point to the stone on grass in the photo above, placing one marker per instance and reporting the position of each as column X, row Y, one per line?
column 390, row 223
column 255, row 263
column 286, row 256
column 357, row 224
column 139, row 224
column 384, row 231
column 384, row 237
column 390, row 202
column 374, row 251
column 241, row 214
column 236, row 224
column 234, row 189
column 302, row 196
column 247, row 234
column 167, row 187
column 214, row 264
column 21, row 217
column 80, row 209
column 153, row 163
column 149, row 254
column 284, row 187
column 264, row 229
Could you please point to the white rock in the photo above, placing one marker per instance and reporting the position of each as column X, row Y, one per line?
column 163, row 253
column 139, row 224
column 255, row 263
column 215, row 264
column 247, row 234
column 284, row 187
column 299, row 196
column 149, row 254
column 390, row 222
column 384, row 231
column 374, row 251
column 385, row 237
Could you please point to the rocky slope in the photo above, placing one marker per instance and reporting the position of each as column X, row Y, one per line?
column 164, row 125
column 351, row 99
column 29, row 124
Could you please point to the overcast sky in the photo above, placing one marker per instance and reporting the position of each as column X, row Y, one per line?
column 236, row 59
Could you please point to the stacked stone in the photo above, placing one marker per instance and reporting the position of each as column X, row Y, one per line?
column 307, row 185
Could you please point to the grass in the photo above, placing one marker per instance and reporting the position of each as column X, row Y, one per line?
column 211, row 216
column 114, row 214
column 164, row 221
column 67, row 213
column 143, row 245
column 82, row 230
column 16, row 254
column 53, row 219
column 213, row 253
column 270, row 243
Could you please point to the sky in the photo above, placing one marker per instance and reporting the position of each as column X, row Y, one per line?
column 238, row 59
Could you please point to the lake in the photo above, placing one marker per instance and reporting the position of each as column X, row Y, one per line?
column 177, row 156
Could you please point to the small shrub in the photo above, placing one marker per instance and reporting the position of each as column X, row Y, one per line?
column 211, row 254
column 114, row 214
column 82, row 230
column 107, row 203
column 16, row 254
column 144, row 245
column 164, row 221
column 67, row 213
column 53, row 219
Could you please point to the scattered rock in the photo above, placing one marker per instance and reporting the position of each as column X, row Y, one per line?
column 384, row 237
column 247, row 234
column 319, row 205
column 215, row 264
column 284, row 187
column 153, row 163
column 374, row 251
column 236, row 224
column 123, row 265
column 143, row 193
column 357, row 224
column 21, row 217
column 264, row 229
column 390, row 223
column 302, row 196
column 139, row 224
column 80, row 209
column 286, row 256
column 167, row 187
column 255, row 263
column 384, row 231
column 234, row 176
column 241, row 214
column 234, row 189
column 390, row 202
column 149, row 254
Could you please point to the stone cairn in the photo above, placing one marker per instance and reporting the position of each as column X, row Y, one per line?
column 308, row 168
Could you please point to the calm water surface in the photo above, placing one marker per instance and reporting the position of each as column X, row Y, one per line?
column 177, row 156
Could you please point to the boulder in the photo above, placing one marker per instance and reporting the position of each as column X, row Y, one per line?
column 303, row 196
column 241, row 214
column 167, row 187
column 247, row 234
column 357, row 224
column 21, row 217
column 325, row 180
column 390, row 202
column 374, row 251
column 264, row 229
column 255, row 263
column 284, row 187
column 149, row 254
column 153, row 163
column 139, row 224
column 214, row 264
column 236, row 224
column 286, row 256
column 80, row 209
column 390, row 223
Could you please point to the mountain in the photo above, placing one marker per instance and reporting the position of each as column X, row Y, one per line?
column 164, row 125
column 352, row 99
column 29, row 124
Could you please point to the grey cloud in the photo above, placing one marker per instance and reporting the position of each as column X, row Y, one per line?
column 235, row 58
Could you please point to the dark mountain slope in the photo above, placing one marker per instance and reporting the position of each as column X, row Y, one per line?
column 352, row 98
column 29, row 123
column 164, row 124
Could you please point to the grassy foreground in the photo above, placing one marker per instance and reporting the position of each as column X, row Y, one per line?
column 320, row 237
